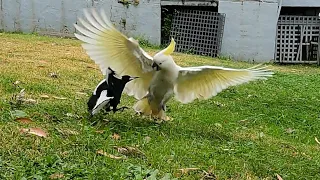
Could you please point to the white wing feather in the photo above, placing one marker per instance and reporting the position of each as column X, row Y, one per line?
column 204, row 82
column 110, row 48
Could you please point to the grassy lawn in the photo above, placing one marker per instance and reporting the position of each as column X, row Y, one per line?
column 253, row 131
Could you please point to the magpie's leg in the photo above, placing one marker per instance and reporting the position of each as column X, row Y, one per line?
column 108, row 109
column 115, row 109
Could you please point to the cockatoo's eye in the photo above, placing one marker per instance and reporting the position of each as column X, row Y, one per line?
column 155, row 66
column 160, row 63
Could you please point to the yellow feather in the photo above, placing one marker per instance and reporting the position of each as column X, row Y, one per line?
column 169, row 50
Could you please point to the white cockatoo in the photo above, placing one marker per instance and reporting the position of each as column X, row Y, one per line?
column 160, row 78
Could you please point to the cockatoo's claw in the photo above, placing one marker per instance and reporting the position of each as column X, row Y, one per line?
column 167, row 118
column 162, row 119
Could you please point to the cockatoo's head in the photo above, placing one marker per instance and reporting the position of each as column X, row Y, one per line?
column 163, row 59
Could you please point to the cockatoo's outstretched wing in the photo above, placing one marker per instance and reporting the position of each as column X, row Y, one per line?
column 204, row 82
column 110, row 48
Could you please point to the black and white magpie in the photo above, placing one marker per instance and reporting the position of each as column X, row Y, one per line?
column 108, row 93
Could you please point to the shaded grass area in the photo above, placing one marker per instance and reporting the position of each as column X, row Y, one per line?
column 252, row 131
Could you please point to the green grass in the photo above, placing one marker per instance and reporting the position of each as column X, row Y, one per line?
column 242, row 133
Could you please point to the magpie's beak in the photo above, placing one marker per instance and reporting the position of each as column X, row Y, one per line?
column 132, row 78
column 155, row 66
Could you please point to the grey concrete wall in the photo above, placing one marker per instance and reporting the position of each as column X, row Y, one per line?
column 250, row 29
column 301, row 3
column 58, row 16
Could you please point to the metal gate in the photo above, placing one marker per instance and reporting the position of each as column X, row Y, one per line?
column 198, row 32
column 298, row 39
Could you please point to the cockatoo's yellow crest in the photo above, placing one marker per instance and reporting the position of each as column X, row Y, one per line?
column 169, row 50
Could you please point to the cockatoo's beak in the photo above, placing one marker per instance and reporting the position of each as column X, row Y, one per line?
column 155, row 66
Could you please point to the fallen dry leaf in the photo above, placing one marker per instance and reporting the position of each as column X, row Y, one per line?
column 147, row 139
column 92, row 67
column 100, row 131
column 34, row 131
column 218, row 125
column 261, row 135
column 187, row 170
column 307, row 156
column 315, row 138
column 43, row 61
column 60, row 98
column 290, row 130
column 127, row 150
column 82, row 93
column 56, row 176
column 116, row 136
column 219, row 104
column 16, row 83
column 101, row 152
column 208, row 175
column 67, row 131
column 243, row 121
column 31, row 101
column 53, row 75
column 20, row 95
column 65, row 153
column 44, row 96
column 72, row 115
column 279, row 177
column 24, row 120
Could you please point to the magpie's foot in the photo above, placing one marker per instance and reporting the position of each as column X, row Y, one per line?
column 120, row 109
column 105, row 113
column 90, row 116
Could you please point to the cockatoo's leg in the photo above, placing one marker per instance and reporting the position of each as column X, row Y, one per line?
column 162, row 115
column 162, row 107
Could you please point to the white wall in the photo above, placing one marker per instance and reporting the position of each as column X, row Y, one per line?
column 301, row 3
column 250, row 29
column 58, row 16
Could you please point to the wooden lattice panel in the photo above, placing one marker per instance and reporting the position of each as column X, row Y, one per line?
column 297, row 39
column 198, row 32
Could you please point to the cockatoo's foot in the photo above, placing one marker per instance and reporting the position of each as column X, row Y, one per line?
column 161, row 119
column 167, row 118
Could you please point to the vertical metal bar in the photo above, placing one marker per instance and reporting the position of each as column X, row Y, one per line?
column 299, row 54
column 318, row 52
column 280, row 44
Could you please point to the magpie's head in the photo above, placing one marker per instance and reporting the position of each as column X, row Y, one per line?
column 127, row 78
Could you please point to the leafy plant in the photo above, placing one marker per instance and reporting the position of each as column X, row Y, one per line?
column 142, row 173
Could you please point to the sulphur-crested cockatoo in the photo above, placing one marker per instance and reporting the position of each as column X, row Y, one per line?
column 160, row 78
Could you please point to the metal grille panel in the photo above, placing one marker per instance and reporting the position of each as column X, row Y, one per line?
column 297, row 39
column 198, row 32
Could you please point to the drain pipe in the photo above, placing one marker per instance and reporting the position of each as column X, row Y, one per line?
column 275, row 39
